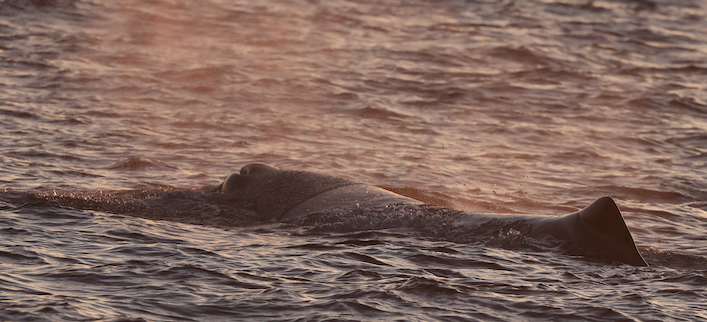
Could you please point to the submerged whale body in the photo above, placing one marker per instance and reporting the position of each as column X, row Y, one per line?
column 284, row 195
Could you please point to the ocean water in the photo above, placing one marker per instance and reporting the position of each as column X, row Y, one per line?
column 114, row 116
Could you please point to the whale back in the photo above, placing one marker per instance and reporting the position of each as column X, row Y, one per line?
column 357, row 195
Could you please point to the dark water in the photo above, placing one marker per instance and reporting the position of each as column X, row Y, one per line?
column 128, row 109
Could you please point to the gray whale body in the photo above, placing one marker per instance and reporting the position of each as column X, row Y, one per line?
column 283, row 195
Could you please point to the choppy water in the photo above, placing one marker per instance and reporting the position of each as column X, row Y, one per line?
column 487, row 106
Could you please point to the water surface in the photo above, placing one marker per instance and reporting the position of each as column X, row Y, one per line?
column 535, row 107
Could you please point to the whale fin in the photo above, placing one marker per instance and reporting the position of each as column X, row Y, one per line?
column 603, row 216
column 598, row 227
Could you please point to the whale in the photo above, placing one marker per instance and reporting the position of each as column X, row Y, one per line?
column 282, row 195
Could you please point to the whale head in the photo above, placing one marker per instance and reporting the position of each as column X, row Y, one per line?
column 273, row 192
column 238, row 181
